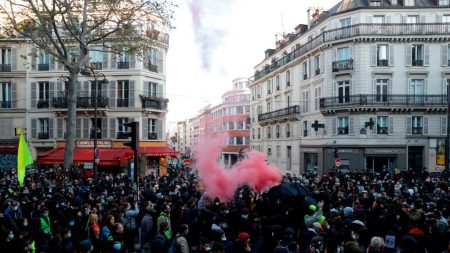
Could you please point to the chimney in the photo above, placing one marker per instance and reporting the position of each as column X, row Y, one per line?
column 308, row 12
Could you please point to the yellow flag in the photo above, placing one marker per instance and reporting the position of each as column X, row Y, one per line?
column 23, row 159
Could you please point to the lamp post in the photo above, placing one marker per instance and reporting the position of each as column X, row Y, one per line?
column 88, row 71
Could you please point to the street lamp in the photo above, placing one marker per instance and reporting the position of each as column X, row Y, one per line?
column 88, row 71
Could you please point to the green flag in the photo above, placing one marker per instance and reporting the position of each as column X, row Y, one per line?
column 23, row 159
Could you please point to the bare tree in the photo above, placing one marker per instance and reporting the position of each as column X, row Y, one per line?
column 66, row 29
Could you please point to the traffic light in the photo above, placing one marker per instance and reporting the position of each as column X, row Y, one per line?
column 336, row 153
column 134, row 134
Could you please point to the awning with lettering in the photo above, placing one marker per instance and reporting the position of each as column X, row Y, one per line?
column 155, row 151
column 107, row 156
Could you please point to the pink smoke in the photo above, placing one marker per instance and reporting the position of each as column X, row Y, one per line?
column 222, row 183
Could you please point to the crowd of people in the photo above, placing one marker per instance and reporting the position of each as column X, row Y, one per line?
column 391, row 211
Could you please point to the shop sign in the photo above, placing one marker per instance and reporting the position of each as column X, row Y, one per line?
column 90, row 144
column 384, row 151
column 8, row 145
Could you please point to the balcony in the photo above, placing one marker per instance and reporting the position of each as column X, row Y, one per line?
column 82, row 102
column 305, row 133
column 96, row 65
column 5, row 67
column 305, row 77
column 123, row 65
column 43, row 67
column 342, row 65
column 43, row 136
column 5, row 104
column 382, row 130
column 152, row 67
column 342, row 130
column 383, row 102
column 417, row 63
column 154, row 103
column 285, row 114
column 317, row 72
column 382, row 63
column 416, row 130
column 42, row 103
column 122, row 102
column 425, row 30
column 152, row 136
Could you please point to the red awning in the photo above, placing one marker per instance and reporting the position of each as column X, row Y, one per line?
column 155, row 151
column 108, row 157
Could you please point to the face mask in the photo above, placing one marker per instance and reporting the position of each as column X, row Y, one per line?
column 69, row 235
column 15, row 208
column 46, row 214
column 71, row 223
column 117, row 246
column 11, row 236
column 245, row 216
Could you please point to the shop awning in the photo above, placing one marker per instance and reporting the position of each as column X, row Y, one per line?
column 107, row 157
column 232, row 149
column 155, row 151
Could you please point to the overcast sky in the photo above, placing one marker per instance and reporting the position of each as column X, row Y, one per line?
column 216, row 41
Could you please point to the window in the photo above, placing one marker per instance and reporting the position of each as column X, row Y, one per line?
column 344, row 91
column 443, row 2
column 44, row 60
column 96, row 55
column 288, row 130
column 277, row 130
column 416, row 90
column 231, row 125
column 288, row 78
column 269, row 132
column 317, row 64
column 96, row 89
column 288, row 101
column 5, row 95
column 343, row 54
column 288, row 158
column 375, row 3
column 410, row 3
column 122, row 93
column 378, row 19
column 240, row 125
column 381, row 88
column 152, row 129
column 253, row 133
column 121, row 129
column 382, row 125
column 239, row 140
column 412, row 19
column 5, row 59
column 259, row 133
column 152, row 56
column 382, row 55
column 317, row 95
column 278, row 152
column 305, row 128
column 239, row 110
column 448, row 55
column 277, row 82
column 269, row 86
column 305, row 102
column 43, row 129
column 445, row 18
column 269, row 108
column 346, row 22
column 269, row 152
column 43, row 95
column 342, row 125
column 123, row 60
column 417, row 55
column 417, row 124
column 305, row 70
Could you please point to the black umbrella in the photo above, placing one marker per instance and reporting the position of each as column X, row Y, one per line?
column 301, row 189
column 288, row 190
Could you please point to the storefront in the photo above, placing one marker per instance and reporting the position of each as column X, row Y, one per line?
column 378, row 159
column 8, row 154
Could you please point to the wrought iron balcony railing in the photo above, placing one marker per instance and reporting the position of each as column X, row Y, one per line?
column 5, row 104
column 42, row 103
column 43, row 135
column 152, row 67
column 362, row 29
column 123, row 65
column 43, row 67
column 416, row 130
column 380, row 101
column 5, row 67
column 122, row 102
column 382, row 63
column 155, row 103
column 342, row 130
column 342, row 65
column 382, row 130
column 152, row 135
column 82, row 102
column 288, row 111
column 417, row 63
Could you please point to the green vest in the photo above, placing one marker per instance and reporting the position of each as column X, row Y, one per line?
column 45, row 226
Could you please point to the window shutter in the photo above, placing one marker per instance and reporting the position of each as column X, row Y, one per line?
column 33, row 94
column 404, row 19
column 159, row 91
column 145, row 59
column 408, row 54
column 159, row 61
column 145, row 128
column 33, row 128
column 408, row 125
column 335, row 88
column 160, row 129
column 387, row 19
column 409, row 87
column 439, row 18
column 51, row 63
column 104, row 91
column 86, row 128
column 51, row 93
column 86, row 89
column 132, row 60
column 321, row 63
column 14, row 58
column 104, row 129
column 60, row 65
column 426, row 58
column 112, row 128
column 375, row 125
column 391, row 55
column 132, row 93
column 78, row 89
column 333, row 126
column 33, row 58
column 369, row 19
column 59, row 128
column 373, row 55
column 78, row 129
column 50, row 128
column 390, row 125
column 422, row 19
column 350, row 48
column 443, row 125
column 390, row 89
column 14, row 94
column 59, row 89
column 425, row 125
column 112, row 94
column 444, row 55
column 351, row 125
column 105, row 58
column 113, row 61
column 334, row 54
column 145, row 89
column 425, row 88
column 374, row 84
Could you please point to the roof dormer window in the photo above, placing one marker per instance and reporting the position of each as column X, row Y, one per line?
column 375, row 3
column 410, row 2
column 443, row 2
